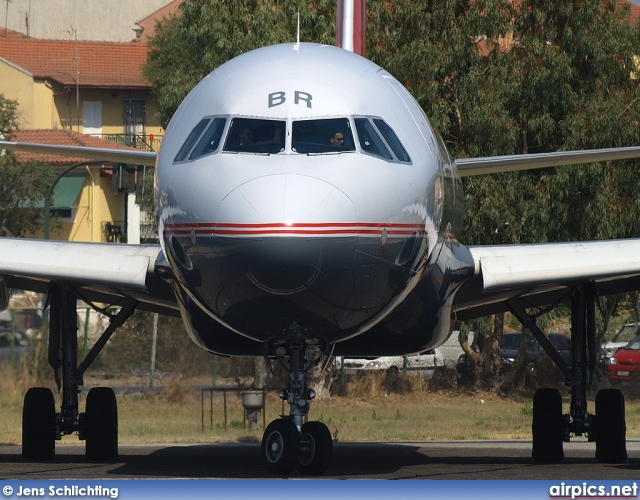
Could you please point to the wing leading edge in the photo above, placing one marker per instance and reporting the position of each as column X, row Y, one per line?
column 147, row 158
column 510, row 163
column 466, row 166
column 102, row 272
column 545, row 273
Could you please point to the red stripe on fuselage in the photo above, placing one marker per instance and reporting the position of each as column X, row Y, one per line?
column 306, row 229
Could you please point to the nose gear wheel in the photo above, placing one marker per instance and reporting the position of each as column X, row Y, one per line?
column 281, row 446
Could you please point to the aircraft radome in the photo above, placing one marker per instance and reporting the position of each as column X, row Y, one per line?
column 306, row 208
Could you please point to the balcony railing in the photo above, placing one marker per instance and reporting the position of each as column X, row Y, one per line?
column 112, row 232
column 148, row 232
column 115, row 232
column 143, row 142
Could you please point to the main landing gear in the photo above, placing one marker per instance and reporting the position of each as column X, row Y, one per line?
column 550, row 427
column 288, row 443
column 98, row 425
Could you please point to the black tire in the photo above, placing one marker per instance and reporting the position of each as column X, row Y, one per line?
column 316, row 447
column 280, row 446
column 38, row 425
column 101, row 425
column 610, row 427
column 547, row 426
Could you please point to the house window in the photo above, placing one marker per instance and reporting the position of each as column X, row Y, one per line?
column 92, row 117
column 135, row 116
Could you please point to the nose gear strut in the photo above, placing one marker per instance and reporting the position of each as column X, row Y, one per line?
column 289, row 443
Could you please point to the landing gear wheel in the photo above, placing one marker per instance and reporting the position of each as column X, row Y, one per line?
column 38, row 424
column 547, row 426
column 280, row 446
column 610, row 427
column 316, row 447
column 101, row 424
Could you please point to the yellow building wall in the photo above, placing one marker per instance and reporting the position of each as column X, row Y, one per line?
column 45, row 104
column 112, row 109
column 95, row 206
column 17, row 84
column 46, row 114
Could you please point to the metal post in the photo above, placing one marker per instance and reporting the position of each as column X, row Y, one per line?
column 154, row 341
column 85, row 340
column 12, row 341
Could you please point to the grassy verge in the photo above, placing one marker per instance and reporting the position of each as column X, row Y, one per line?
column 176, row 413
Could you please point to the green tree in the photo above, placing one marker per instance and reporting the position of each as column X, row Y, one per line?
column 546, row 76
column 494, row 76
column 206, row 33
column 23, row 186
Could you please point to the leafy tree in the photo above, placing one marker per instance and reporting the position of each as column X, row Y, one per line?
column 23, row 185
column 544, row 76
column 8, row 115
column 494, row 76
column 206, row 33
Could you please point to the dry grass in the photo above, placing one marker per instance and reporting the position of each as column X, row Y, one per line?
column 365, row 411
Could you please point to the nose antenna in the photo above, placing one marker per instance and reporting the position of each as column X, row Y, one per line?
column 297, row 45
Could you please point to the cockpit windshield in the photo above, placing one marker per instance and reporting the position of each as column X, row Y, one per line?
column 370, row 135
column 322, row 136
column 251, row 135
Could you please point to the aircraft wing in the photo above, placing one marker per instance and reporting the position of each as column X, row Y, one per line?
column 497, row 164
column 113, row 155
column 101, row 272
column 466, row 166
column 502, row 272
column 544, row 273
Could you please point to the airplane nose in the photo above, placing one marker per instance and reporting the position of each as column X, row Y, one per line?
column 287, row 225
column 287, row 204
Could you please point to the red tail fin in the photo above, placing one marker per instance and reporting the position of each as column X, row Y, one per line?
column 350, row 33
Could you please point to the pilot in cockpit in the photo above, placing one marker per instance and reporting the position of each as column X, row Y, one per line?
column 337, row 140
column 245, row 137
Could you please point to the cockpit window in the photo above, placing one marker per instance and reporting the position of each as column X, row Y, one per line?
column 210, row 140
column 392, row 140
column 370, row 140
column 194, row 135
column 322, row 136
column 250, row 135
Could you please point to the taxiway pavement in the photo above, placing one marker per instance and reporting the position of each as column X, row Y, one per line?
column 351, row 460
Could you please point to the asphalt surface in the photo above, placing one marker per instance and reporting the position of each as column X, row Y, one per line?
column 390, row 460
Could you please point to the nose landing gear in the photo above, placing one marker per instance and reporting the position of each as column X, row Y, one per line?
column 288, row 443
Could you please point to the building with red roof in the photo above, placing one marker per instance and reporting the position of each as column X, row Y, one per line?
column 91, row 87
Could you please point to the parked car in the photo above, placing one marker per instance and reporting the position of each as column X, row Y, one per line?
column 625, row 335
column 426, row 362
column 624, row 364
column 21, row 345
column 509, row 346
column 451, row 349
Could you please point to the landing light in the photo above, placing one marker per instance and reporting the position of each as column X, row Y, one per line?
column 312, row 352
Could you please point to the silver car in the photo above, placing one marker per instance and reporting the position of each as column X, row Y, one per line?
column 426, row 362
column 625, row 335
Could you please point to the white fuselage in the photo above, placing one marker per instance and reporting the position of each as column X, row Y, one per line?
column 287, row 231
